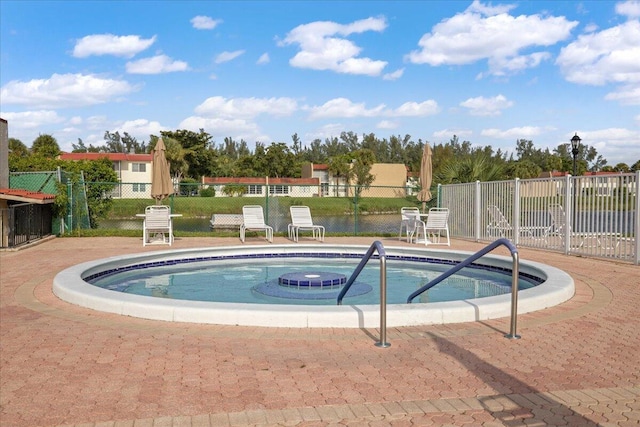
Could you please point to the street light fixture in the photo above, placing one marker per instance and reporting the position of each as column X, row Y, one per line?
column 575, row 149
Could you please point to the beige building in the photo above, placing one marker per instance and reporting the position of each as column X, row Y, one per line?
column 390, row 180
column 133, row 170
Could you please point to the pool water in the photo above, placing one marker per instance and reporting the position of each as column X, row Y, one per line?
column 258, row 281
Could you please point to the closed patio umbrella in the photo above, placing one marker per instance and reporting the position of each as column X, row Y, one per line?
column 425, row 176
column 161, row 184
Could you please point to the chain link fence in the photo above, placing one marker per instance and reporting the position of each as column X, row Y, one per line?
column 354, row 211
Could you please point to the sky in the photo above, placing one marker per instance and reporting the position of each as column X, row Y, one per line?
column 490, row 73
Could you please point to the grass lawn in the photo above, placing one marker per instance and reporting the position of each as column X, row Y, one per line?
column 195, row 207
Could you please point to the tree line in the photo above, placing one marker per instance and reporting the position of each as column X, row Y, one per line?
column 195, row 154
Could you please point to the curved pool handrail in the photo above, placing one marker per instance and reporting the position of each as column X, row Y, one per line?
column 482, row 252
column 462, row 265
column 375, row 246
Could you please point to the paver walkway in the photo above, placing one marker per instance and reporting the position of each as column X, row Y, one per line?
column 577, row 364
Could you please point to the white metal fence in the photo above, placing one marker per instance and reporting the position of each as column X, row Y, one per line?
column 594, row 216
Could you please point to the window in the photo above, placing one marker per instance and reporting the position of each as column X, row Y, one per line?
column 138, row 167
column 139, row 188
column 278, row 189
column 255, row 189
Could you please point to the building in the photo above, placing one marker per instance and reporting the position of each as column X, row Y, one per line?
column 133, row 170
column 25, row 215
column 258, row 187
column 390, row 181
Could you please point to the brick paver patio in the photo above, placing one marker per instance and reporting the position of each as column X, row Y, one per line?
column 577, row 364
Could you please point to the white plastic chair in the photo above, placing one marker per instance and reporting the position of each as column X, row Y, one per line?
column 253, row 220
column 434, row 227
column 157, row 225
column 408, row 215
column 301, row 220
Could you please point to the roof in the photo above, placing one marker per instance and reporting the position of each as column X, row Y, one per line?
column 260, row 180
column 557, row 174
column 130, row 157
column 28, row 196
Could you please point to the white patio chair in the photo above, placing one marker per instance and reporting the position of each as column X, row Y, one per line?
column 434, row 227
column 408, row 215
column 157, row 227
column 253, row 220
column 301, row 220
column 499, row 224
column 561, row 228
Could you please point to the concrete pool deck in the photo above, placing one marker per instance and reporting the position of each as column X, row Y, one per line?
column 577, row 363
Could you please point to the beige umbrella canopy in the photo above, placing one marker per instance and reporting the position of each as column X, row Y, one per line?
column 161, row 184
column 425, row 176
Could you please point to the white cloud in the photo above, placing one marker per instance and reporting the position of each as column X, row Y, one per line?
column 387, row 124
column 395, row 75
column 448, row 133
column 626, row 95
column 218, row 106
column 343, row 107
column 31, row 119
column 228, row 56
column 524, row 132
column 414, row 109
column 264, row 59
column 481, row 106
column 324, row 46
column 109, row 44
column 217, row 126
column 485, row 32
column 614, row 144
column 630, row 9
column 158, row 64
column 204, row 22
column 140, row 129
column 65, row 90
column 608, row 56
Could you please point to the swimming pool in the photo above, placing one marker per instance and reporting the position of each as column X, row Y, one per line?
column 71, row 285
column 303, row 280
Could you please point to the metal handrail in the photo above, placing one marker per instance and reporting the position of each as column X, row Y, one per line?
column 375, row 246
column 468, row 261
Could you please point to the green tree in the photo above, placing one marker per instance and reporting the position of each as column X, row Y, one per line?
column 471, row 169
column 176, row 156
column 360, row 172
column 45, row 146
column 279, row 161
column 122, row 144
column 17, row 148
column 523, row 169
column 198, row 151
column 340, row 167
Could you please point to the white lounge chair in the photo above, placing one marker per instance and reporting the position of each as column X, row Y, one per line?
column 499, row 226
column 301, row 220
column 407, row 221
column 253, row 220
column 561, row 228
column 434, row 228
column 157, row 227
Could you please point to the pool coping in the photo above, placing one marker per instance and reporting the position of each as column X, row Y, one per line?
column 69, row 286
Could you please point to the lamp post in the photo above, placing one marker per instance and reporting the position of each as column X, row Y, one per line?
column 575, row 148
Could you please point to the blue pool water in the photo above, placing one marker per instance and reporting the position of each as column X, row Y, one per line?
column 283, row 281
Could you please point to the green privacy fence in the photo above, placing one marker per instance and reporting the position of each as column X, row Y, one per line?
column 71, row 190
